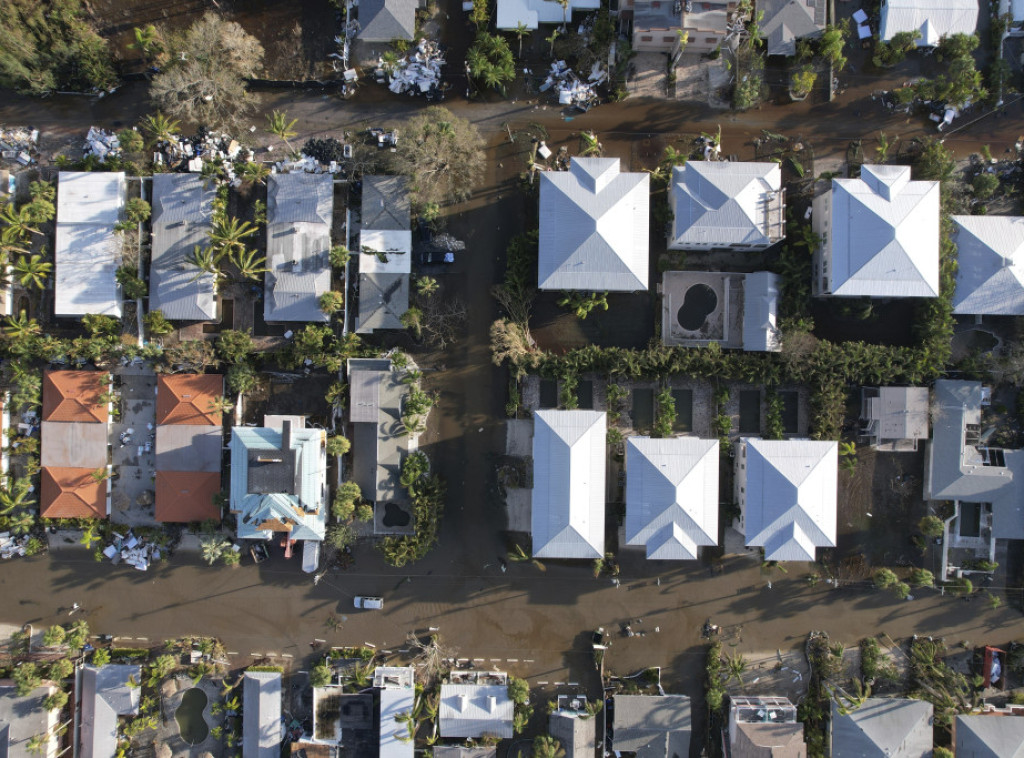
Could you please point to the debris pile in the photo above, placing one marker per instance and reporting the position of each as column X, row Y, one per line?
column 12, row 546
column 446, row 242
column 188, row 153
column 102, row 144
column 132, row 550
column 418, row 73
column 19, row 144
column 571, row 89
column 324, row 150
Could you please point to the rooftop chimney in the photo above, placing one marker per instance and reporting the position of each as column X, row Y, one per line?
column 492, row 703
column 463, row 703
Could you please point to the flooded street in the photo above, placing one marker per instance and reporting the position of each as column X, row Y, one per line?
column 533, row 623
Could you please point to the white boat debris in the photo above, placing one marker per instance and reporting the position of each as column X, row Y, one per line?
column 418, row 73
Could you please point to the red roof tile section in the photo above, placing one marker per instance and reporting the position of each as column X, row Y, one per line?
column 74, row 396
column 72, row 493
column 187, row 399
column 183, row 496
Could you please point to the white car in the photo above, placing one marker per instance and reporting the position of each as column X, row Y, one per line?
column 369, row 603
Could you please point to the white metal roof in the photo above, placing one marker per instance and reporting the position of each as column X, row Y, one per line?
column 261, row 714
column 761, row 311
column 87, row 251
column 935, row 19
column 990, row 258
column 475, row 710
column 593, row 228
column 883, row 728
column 672, row 495
column 569, row 452
column 533, row 12
column 396, row 245
column 790, row 497
column 394, row 735
column 722, row 202
column 884, row 235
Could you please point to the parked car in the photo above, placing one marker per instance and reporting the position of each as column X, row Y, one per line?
column 435, row 257
column 369, row 603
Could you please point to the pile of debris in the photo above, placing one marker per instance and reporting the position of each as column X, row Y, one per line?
column 418, row 73
column 11, row 546
column 102, row 144
column 571, row 89
column 188, row 153
column 131, row 550
column 19, row 144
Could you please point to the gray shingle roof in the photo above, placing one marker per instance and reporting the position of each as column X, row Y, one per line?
column 569, row 452
column 652, row 727
column 761, row 311
column 21, row 719
column 475, row 710
column 989, row 736
column 672, row 495
column 883, row 728
column 261, row 714
column 385, row 20
column 724, row 203
column 106, row 695
column 299, row 217
column 593, row 228
column 956, row 470
column 786, row 21
column 884, row 235
column 182, row 208
column 990, row 265
column 790, row 496
column 383, row 298
column 385, row 203
column 578, row 736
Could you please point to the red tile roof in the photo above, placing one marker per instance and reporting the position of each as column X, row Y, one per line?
column 74, row 396
column 72, row 493
column 183, row 496
column 186, row 399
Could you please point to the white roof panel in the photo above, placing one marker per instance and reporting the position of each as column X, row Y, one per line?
column 761, row 311
column 722, row 203
column 790, row 497
column 884, row 235
column 396, row 246
column 672, row 495
column 90, row 197
column 394, row 735
column 475, row 711
column 534, row 12
column 990, row 258
column 569, row 452
column 935, row 19
column 593, row 228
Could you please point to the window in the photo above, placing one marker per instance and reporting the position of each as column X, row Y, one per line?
column 711, row 40
column 668, row 39
column 646, row 38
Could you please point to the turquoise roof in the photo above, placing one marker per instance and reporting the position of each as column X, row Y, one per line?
column 306, row 508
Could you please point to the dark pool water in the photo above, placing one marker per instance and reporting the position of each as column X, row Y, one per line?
column 699, row 302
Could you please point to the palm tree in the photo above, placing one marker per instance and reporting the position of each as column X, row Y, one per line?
column 21, row 327
column 228, row 234
column 546, row 746
column 101, row 474
column 735, row 665
column 15, row 496
column 160, row 128
column 89, row 536
column 565, row 10
column 255, row 173
column 589, row 144
column 551, row 40
column 206, row 259
column 279, row 125
column 21, row 522
column 518, row 555
column 250, row 265
column 18, row 223
column 221, row 404
column 32, row 271
column 848, row 456
column 212, row 548
column 407, row 718
column 521, row 31
column 147, row 42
